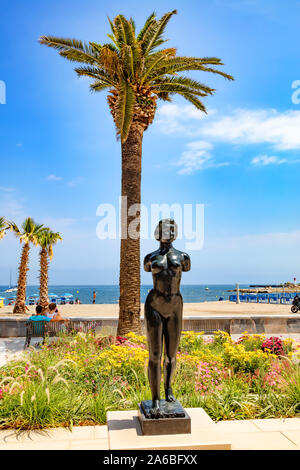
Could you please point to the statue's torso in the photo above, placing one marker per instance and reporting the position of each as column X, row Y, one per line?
column 166, row 268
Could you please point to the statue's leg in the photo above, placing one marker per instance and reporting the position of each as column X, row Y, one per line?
column 155, row 343
column 172, row 331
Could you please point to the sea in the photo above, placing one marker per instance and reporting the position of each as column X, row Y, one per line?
column 109, row 294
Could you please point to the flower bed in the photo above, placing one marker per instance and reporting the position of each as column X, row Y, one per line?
column 75, row 380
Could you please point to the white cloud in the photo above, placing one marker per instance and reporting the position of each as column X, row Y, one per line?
column 280, row 129
column 11, row 209
column 58, row 224
column 263, row 160
column 71, row 183
column 175, row 119
column 197, row 156
column 75, row 181
column 6, row 189
column 265, row 126
column 54, row 178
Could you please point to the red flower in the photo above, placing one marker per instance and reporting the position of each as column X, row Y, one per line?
column 274, row 344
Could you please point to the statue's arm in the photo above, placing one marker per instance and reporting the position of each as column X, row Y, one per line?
column 147, row 263
column 186, row 263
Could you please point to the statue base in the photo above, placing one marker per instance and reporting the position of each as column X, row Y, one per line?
column 174, row 419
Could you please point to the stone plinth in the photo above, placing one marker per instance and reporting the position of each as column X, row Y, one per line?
column 124, row 433
column 175, row 419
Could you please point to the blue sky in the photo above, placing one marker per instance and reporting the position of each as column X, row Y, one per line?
column 60, row 158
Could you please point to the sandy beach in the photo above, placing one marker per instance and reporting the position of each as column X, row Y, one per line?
column 189, row 309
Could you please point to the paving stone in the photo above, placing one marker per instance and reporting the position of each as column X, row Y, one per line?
column 237, row 426
column 278, row 424
column 293, row 436
column 260, row 441
column 56, row 434
column 47, row 445
column 101, row 432
column 92, row 444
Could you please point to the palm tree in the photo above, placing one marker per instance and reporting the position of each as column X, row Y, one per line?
column 135, row 71
column 28, row 234
column 3, row 227
column 46, row 240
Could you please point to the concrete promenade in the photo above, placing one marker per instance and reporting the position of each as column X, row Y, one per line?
column 257, row 434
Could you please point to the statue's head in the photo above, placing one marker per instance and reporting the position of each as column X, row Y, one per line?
column 166, row 230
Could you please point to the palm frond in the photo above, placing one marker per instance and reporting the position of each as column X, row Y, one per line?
column 153, row 36
column 219, row 72
column 154, row 60
column 3, row 227
column 72, row 49
column 99, row 85
column 172, row 84
column 125, row 30
column 149, row 21
column 174, row 65
column 97, row 73
column 132, row 22
column 46, row 239
column 124, row 111
column 195, row 101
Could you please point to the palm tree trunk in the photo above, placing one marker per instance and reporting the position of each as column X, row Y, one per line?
column 22, row 281
column 44, row 300
column 129, row 302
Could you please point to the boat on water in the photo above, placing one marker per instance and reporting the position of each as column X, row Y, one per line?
column 11, row 288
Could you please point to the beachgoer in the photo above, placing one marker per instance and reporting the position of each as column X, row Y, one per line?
column 54, row 314
column 94, row 297
column 38, row 315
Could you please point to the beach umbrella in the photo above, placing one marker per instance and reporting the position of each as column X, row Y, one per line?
column 68, row 295
column 52, row 295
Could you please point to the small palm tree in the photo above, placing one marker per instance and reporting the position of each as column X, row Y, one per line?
column 3, row 227
column 46, row 240
column 28, row 235
column 136, row 71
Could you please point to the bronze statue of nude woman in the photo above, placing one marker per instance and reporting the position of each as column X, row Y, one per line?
column 163, row 310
